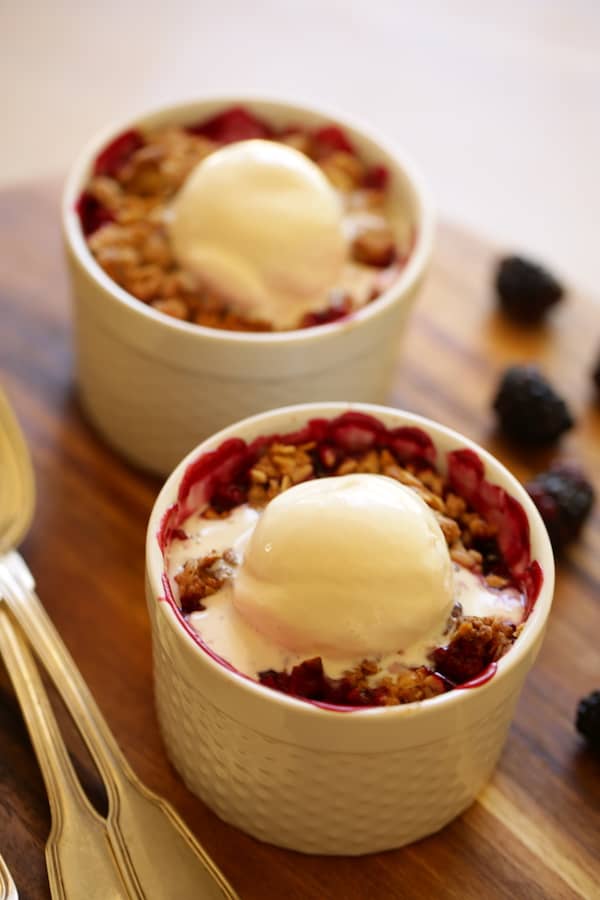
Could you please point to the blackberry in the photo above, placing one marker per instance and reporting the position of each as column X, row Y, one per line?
column 587, row 720
column 564, row 498
column 529, row 409
column 526, row 291
column 596, row 374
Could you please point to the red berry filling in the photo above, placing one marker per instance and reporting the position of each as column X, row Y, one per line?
column 118, row 152
column 92, row 214
column 376, row 178
column 236, row 124
column 331, row 139
column 466, row 476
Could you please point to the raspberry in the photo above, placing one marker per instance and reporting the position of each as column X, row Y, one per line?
column 228, row 496
column 92, row 214
column 235, row 124
column 587, row 720
column 529, row 409
column 211, row 474
column 377, row 178
column 525, row 290
column 564, row 498
column 331, row 139
column 355, row 432
column 117, row 153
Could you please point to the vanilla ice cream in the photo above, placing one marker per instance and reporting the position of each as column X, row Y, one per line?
column 259, row 223
column 352, row 565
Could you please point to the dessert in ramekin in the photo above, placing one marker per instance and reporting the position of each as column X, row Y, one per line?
column 230, row 222
column 157, row 376
column 311, row 753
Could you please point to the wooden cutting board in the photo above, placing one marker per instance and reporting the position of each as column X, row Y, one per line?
column 535, row 830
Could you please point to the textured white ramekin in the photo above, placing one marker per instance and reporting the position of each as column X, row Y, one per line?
column 154, row 386
column 317, row 780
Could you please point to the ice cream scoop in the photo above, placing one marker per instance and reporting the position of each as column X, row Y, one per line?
column 258, row 222
column 346, row 566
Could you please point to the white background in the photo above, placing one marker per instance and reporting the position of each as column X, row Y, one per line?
column 499, row 101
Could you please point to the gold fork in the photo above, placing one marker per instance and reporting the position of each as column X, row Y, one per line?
column 155, row 856
column 78, row 852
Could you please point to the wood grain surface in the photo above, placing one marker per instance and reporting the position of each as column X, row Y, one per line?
column 535, row 830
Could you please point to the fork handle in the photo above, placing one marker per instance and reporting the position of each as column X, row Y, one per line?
column 81, row 862
column 137, row 818
column 62, row 785
column 61, row 667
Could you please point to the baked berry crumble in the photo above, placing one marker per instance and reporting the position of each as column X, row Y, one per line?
column 129, row 208
column 223, row 501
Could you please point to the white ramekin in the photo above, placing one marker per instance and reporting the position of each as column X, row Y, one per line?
column 154, row 386
column 317, row 780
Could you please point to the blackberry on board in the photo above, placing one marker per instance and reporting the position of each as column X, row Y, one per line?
column 526, row 291
column 529, row 409
column 564, row 498
column 587, row 720
column 596, row 373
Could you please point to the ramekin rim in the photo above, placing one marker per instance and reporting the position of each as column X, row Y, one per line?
column 535, row 623
column 404, row 284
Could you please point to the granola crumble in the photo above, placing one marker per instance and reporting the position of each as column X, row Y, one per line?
column 200, row 578
column 476, row 643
